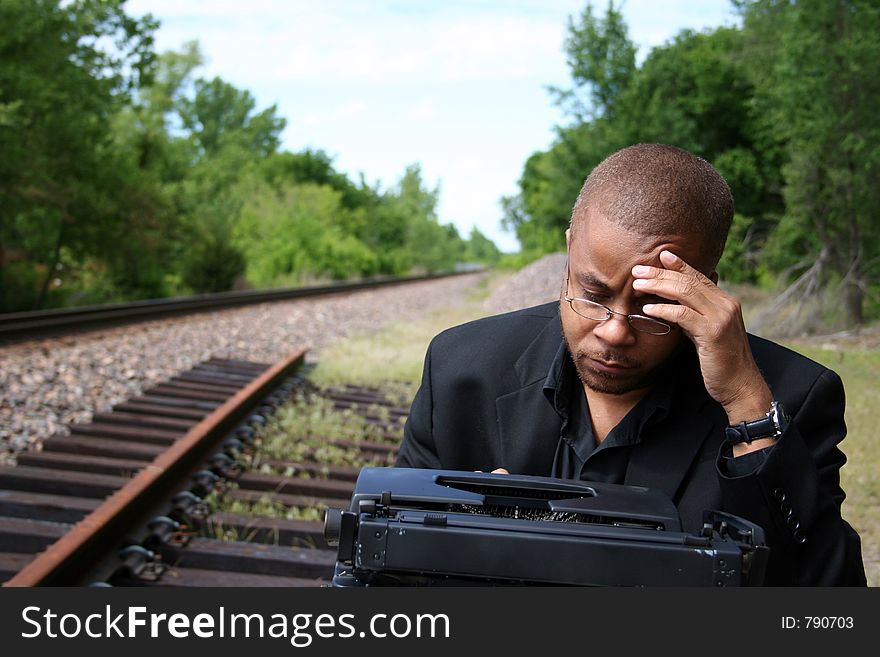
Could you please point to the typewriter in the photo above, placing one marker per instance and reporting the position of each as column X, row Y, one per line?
column 417, row 527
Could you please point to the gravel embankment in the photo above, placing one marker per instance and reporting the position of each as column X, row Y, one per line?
column 536, row 283
column 47, row 384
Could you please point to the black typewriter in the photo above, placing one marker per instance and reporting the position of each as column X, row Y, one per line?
column 416, row 527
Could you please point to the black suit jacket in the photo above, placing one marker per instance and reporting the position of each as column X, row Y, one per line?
column 481, row 406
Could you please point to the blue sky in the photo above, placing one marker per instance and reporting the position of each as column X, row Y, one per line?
column 456, row 86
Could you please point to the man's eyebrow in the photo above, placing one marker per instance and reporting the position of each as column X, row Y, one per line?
column 587, row 279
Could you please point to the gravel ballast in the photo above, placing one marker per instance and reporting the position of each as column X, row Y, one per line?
column 536, row 283
column 49, row 383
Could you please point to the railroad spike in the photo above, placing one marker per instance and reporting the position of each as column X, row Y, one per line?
column 141, row 563
column 165, row 531
column 257, row 419
column 223, row 465
column 204, row 482
column 245, row 434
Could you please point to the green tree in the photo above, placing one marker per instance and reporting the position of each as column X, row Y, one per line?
column 149, row 126
column 359, row 213
column 219, row 116
column 697, row 92
column 601, row 59
column 293, row 234
column 825, row 90
column 481, row 249
column 229, row 141
column 415, row 239
column 61, row 185
column 153, row 161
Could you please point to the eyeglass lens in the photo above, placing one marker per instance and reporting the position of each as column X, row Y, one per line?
column 598, row 312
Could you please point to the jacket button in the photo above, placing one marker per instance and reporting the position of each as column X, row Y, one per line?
column 799, row 538
column 794, row 525
column 785, row 507
column 779, row 494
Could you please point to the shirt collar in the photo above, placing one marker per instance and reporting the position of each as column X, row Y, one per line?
column 558, row 383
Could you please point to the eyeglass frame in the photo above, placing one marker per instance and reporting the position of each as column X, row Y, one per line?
column 608, row 311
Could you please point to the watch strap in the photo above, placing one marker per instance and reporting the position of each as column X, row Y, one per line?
column 770, row 426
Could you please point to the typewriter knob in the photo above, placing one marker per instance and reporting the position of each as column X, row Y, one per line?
column 332, row 526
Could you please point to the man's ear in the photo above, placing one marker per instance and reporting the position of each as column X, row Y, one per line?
column 714, row 277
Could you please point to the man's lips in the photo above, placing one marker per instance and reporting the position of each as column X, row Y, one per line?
column 610, row 367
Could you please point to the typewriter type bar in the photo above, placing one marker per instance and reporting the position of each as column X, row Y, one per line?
column 439, row 527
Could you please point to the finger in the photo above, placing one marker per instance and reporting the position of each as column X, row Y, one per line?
column 673, row 267
column 689, row 320
column 672, row 262
column 679, row 282
column 500, row 471
column 676, row 288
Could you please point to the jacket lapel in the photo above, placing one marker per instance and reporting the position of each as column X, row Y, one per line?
column 528, row 425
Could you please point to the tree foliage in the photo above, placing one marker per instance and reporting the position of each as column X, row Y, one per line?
column 784, row 106
column 602, row 60
column 126, row 175
column 62, row 182
column 825, row 93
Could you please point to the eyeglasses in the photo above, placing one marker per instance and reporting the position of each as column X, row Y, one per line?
column 599, row 313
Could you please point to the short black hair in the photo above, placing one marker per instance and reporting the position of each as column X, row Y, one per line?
column 655, row 189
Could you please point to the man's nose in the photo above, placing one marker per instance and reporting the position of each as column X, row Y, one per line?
column 615, row 330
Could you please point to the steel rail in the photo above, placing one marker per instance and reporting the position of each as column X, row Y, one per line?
column 69, row 556
column 29, row 324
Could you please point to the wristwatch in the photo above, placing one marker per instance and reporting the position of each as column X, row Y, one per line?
column 770, row 426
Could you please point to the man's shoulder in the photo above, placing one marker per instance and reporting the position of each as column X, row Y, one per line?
column 783, row 366
column 496, row 354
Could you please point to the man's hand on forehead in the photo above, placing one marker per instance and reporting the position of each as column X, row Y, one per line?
column 678, row 281
column 712, row 320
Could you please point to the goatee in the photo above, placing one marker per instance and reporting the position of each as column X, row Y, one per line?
column 628, row 380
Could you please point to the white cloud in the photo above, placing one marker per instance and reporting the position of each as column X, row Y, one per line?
column 345, row 112
column 424, row 109
column 457, row 86
column 351, row 110
column 296, row 41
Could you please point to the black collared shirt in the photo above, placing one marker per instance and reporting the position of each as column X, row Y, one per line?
column 577, row 454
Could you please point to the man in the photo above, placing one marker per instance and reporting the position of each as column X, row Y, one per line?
column 643, row 374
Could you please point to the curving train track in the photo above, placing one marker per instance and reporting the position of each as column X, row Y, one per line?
column 126, row 500
column 39, row 323
column 171, row 488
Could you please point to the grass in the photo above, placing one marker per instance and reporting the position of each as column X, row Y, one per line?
column 391, row 357
column 299, row 431
column 860, row 371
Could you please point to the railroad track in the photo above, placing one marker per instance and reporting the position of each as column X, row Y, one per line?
column 30, row 324
column 162, row 490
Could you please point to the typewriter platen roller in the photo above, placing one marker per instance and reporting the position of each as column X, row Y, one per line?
column 441, row 527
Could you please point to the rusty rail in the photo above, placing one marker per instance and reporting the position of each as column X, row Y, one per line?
column 63, row 560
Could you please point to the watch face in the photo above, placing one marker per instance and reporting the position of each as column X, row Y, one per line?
column 779, row 417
